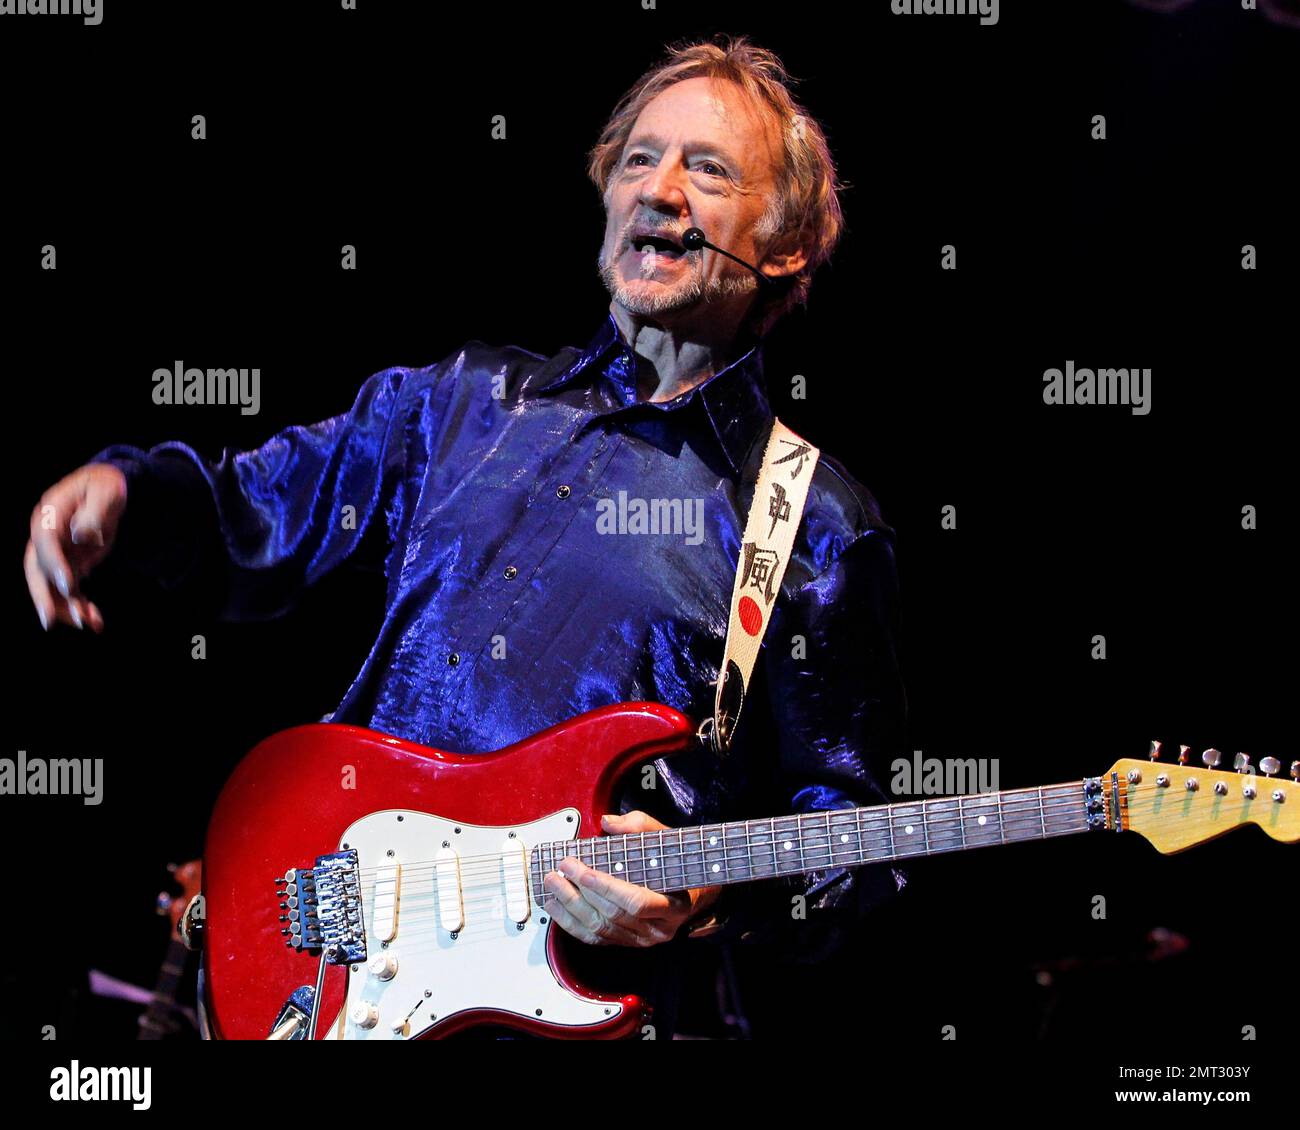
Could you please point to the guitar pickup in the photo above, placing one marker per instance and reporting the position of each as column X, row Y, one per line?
column 384, row 900
column 451, row 902
column 514, row 875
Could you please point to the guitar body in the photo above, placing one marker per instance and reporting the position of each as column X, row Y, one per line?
column 429, row 828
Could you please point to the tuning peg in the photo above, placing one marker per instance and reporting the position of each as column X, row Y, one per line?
column 1295, row 772
column 1155, row 751
column 1211, row 758
column 1270, row 765
column 1241, row 763
column 1183, row 751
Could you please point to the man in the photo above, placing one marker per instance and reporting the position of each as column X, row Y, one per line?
column 485, row 484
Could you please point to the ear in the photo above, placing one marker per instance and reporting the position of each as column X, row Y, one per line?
column 786, row 257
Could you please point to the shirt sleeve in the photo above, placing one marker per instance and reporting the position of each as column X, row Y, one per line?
column 839, row 708
column 252, row 529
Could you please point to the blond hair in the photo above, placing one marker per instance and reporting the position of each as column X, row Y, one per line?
column 807, row 188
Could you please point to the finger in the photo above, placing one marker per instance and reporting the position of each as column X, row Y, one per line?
column 610, row 911
column 92, row 615
column 631, row 822
column 586, row 915
column 50, row 606
column 566, row 922
column 52, row 547
column 639, row 902
column 39, row 589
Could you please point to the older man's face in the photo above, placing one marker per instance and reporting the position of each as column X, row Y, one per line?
column 700, row 155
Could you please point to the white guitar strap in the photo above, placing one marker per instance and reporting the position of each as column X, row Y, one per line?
column 774, row 516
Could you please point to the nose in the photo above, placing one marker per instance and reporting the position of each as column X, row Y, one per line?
column 662, row 190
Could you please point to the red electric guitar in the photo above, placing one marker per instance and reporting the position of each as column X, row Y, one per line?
column 357, row 886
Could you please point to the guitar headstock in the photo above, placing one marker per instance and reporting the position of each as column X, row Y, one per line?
column 189, row 878
column 1178, row 805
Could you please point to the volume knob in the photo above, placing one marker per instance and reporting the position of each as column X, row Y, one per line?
column 365, row 1015
column 383, row 966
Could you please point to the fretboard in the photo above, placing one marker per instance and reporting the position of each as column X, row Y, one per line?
column 745, row 851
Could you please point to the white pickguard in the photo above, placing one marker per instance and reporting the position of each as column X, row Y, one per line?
column 491, row 963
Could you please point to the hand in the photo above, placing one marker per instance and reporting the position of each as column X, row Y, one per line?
column 72, row 530
column 601, row 910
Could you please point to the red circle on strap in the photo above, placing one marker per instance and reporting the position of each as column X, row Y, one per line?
column 751, row 617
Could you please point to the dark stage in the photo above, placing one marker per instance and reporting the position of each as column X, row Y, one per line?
column 1162, row 527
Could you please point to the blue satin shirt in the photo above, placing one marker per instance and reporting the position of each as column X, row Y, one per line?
column 480, row 483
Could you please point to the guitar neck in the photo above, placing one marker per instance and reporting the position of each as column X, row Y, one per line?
column 159, row 1020
column 745, row 851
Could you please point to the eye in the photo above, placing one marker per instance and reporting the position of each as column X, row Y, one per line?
column 713, row 169
column 636, row 157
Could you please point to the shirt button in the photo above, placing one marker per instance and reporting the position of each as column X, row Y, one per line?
column 562, row 491
column 453, row 659
column 511, row 573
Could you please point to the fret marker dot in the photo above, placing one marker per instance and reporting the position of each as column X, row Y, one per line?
column 844, row 837
column 717, row 867
column 654, row 863
column 713, row 840
column 788, row 845
column 982, row 820
column 908, row 829
column 618, row 867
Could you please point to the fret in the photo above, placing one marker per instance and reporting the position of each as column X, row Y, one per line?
column 903, row 817
column 961, row 821
column 703, row 862
column 980, row 807
column 865, row 846
column 819, row 839
column 740, row 851
column 840, row 830
column 945, row 834
column 674, row 874
column 720, row 843
column 1022, row 816
column 1042, row 816
column 799, row 833
column 634, row 865
column 827, row 847
column 784, row 837
column 756, row 849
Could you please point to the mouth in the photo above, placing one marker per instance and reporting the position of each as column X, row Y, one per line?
column 660, row 241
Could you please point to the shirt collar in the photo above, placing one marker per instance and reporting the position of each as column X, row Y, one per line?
column 734, row 398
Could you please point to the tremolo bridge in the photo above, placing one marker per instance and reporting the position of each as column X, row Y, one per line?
column 320, row 908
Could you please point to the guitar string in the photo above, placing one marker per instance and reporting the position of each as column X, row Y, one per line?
column 416, row 921
column 879, row 814
column 417, row 932
column 473, row 894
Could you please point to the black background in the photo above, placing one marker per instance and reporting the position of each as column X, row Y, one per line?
column 373, row 128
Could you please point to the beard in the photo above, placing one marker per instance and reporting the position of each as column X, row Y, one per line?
column 665, row 298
